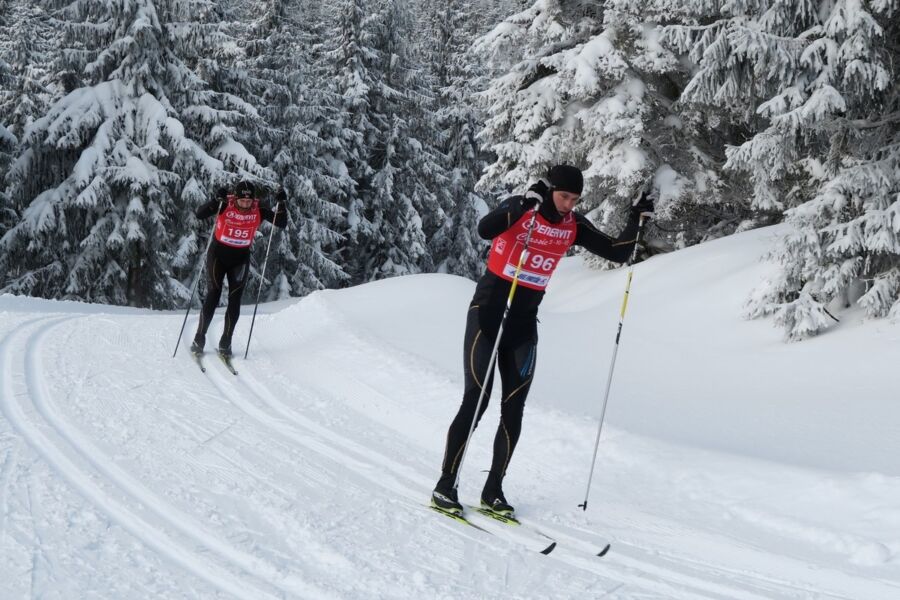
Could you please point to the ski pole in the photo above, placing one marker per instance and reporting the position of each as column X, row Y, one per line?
column 262, row 278
column 493, row 361
column 196, row 281
column 612, row 364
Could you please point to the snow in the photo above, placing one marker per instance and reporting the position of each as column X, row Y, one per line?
column 732, row 465
column 6, row 136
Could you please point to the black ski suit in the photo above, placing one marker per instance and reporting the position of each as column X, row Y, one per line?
column 223, row 262
column 517, row 354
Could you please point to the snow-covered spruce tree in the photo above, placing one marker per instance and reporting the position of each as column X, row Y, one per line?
column 26, row 53
column 301, row 126
column 354, row 132
column 817, row 82
column 588, row 83
column 399, row 200
column 112, row 172
column 7, row 139
column 8, row 143
column 456, row 247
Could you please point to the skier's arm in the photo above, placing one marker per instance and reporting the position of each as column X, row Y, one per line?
column 596, row 242
column 277, row 217
column 209, row 209
column 214, row 206
column 503, row 217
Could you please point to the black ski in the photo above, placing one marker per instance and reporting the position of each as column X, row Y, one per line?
column 198, row 358
column 227, row 361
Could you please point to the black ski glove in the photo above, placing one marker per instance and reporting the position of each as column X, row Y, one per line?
column 281, row 196
column 222, row 194
column 643, row 207
column 538, row 192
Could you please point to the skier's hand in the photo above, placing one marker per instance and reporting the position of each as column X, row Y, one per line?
column 281, row 196
column 222, row 194
column 643, row 207
column 538, row 192
column 528, row 202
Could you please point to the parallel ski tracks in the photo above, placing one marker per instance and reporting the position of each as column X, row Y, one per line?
column 636, row 569
column 174, row 535
column 177, row 537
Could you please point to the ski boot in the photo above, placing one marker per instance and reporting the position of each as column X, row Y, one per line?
column 197, row 348
column 492, row 499
column 444, row 497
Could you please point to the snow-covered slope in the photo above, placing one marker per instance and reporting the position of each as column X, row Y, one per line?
column 732, row 466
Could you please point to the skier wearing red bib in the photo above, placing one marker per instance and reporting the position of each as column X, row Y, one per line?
column 557, row 228
column 238, row 217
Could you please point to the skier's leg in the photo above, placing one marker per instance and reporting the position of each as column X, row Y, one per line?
column 516, row 366
column 215, row 276
column 237, row 277
column 476, row 357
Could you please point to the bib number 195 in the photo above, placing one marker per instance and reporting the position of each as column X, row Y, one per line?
column 238, row 233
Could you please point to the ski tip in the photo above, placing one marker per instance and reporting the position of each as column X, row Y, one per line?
column 604, row 551
column 549, row 548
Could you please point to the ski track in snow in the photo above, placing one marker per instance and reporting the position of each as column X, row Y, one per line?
column 247, row 488
column 404, row 482
column 147, row 515
column 669, row 576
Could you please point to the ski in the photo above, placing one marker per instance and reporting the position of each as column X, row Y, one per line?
column 500, row 533
column 546, row 543
column 227, row 361
column 514, row 522
column 198, row 358
column 457, row 518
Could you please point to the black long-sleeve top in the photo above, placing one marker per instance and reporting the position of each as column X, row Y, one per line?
column 229, row 254
column 492, row 291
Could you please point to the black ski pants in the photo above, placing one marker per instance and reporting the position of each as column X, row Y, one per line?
column 516, row 364
column 218, row 268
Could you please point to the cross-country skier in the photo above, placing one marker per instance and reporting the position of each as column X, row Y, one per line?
column 557, row 227
column 239, row 216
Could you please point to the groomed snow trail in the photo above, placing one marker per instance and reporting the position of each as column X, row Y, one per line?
column 127, row 474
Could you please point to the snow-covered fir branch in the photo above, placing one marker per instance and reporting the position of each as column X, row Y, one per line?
column 392, row 125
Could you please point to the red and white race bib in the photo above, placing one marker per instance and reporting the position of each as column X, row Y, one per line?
column 549, row 243
column 236, row 228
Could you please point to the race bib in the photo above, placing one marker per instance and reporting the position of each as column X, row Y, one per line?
column 549, row 243
column 236, row 228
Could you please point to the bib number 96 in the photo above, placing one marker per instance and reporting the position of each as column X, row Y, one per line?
column 539, row 262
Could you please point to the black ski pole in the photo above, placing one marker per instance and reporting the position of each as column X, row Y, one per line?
column 212, row 234
column 612, row 364
column 262, row 278
column 493, row 361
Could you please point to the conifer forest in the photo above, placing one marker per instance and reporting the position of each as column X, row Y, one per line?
column 393, row 125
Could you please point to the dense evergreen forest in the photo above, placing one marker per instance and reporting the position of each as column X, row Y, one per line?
column 392, row 125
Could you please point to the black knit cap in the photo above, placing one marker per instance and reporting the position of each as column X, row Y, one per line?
column 566, row 178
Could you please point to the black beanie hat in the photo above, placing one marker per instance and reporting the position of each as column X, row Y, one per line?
column 566, row 178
